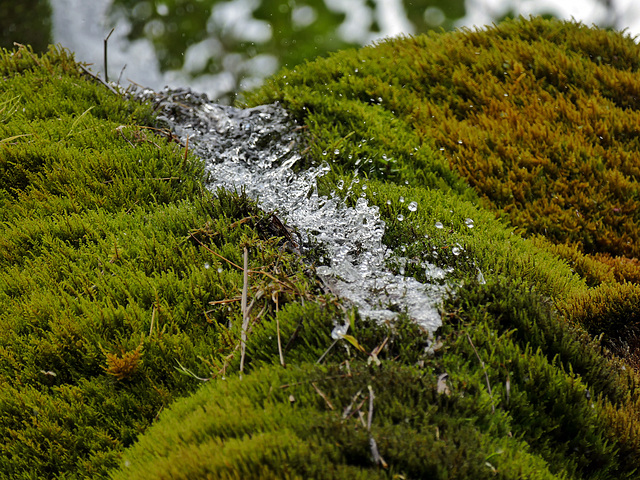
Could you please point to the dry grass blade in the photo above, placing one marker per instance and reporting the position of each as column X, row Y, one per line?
column 372, row 441
column 370, row 417
column 245, row 312
column 324, row 397
column 484, row 369
column 274, row 297
column 347, row 411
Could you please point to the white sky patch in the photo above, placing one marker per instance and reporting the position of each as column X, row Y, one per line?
column 236, row 17
column 303, row 16
column 356, row 25
column 589, row 12
column 392, row 18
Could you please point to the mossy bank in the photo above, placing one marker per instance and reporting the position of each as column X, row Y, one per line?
column 121, row 273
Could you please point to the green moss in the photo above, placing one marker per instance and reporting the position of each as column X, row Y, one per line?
column 423, row 423
column 529, row 392
column 111, row 254
column 121, row 276
column 539, row 117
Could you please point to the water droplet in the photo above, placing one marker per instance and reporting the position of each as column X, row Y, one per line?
column 340, row 184
column 413, row 206
column 400, row 217
column 364, row 187
column 388, row 202
column 219, row 269
column 206, row 265
column 324, row 153
column 456, row 250
column 401, row 199
column 336, row 152
column 468, row 222
column 439, row 225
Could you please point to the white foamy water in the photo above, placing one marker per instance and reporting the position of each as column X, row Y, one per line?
column 255, row 149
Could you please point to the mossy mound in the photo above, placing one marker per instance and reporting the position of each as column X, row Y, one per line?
column 513, row 385
column 122, row 277
column 383, row 405
column 539, row 117
column 111, row 253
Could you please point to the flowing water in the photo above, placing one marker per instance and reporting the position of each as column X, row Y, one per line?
column 256, row 149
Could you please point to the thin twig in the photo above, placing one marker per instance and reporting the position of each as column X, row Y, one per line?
column 153, row 317
column 188, row 372
column 486, row 377
column 275, row 294
column 226, row 300
column 245, row 313
column 294, row 384
column 106, row 41
column 347, row 411
column 216, row 254
column 87, row 72
column 324, row 397
column 327, row 351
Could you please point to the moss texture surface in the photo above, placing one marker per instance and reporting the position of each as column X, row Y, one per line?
column 120, row 273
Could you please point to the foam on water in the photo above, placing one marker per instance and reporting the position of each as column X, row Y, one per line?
column 255, row 149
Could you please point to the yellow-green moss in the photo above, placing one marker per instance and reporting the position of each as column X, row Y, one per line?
column 112, row 274
column 539, row 117
column 528, row 393
column 111, row 253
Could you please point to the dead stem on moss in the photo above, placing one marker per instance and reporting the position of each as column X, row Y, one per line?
column 245, row 313
column 274, row 297
column 324, row 397
column 484, row 369
column 377, row 458
column 98, row 79
column 186, row 151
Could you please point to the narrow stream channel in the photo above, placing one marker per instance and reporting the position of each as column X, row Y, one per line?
column 255, row 149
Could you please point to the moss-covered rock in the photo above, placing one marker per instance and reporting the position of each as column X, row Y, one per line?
column 119, row 270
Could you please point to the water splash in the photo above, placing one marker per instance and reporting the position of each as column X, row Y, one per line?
column 256, row 149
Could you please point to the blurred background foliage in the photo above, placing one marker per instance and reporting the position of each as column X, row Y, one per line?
column 25, row 21
column 237, row 43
